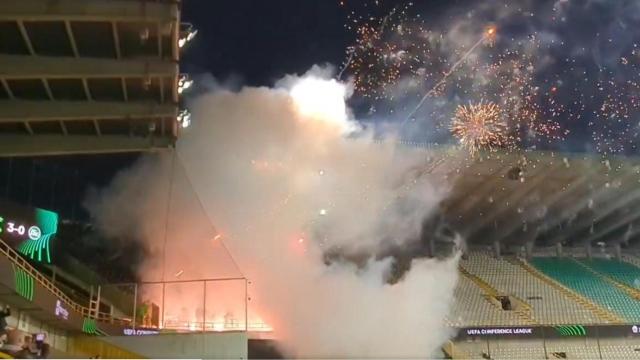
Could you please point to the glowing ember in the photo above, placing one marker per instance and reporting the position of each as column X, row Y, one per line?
column 479, row 126
column 490, row 33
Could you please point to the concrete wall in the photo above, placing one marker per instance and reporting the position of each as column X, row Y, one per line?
column 226, row 345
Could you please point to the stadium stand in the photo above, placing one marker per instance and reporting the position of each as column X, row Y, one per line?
column 619, row 271
column 549, row 305
column 555, row 349
column 630, row 259
column 573, row 275
column 472, row 308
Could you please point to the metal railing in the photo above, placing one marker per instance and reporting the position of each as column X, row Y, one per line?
column 24, row 265
column 203, row 301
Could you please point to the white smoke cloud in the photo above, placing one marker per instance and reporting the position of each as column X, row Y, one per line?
column 284, row 174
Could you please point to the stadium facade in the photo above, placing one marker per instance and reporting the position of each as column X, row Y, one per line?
column 88, row 76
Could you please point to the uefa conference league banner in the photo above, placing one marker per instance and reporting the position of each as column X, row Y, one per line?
column 560, row 331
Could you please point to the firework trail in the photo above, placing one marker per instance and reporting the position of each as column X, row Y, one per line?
column 383, row 24
column 488, row 35
column 346, row 64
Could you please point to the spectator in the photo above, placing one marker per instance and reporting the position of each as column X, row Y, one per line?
column 6, row 312
column 14, row 342
column 28, row 348
column 44, row 351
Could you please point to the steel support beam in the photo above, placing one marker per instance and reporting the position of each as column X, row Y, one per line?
column 614, row 224
column 606, row 201
column 617, row 249
column 516, row 193
column 37, row 67
column 40, row 145
column 89, row 10
column 21, row 110
column 458, row 209
column 514, row 221
column 25, row 37
column 559, row 249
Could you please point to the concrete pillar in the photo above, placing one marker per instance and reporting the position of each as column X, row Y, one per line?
column 496, row 248
column 589, row 250
column 432, row 247
column 618, row 251
column 558, row 249
column 528, row 247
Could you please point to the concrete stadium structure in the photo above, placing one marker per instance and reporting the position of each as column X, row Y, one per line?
column 526, row 201
column 88, row 76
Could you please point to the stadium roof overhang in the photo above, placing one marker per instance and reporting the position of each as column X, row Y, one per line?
column 88, row 76
column 544, row 198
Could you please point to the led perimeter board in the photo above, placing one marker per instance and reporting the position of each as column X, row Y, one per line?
column 28, row 230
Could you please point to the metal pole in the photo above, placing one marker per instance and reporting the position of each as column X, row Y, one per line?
column 162, row 319
column 135, row 305
column 246, row 305
column 98, row 302
column 598, row 341
column 90, row 301
column 544, row 343
column 166, row 219
column 488, row 348
column 204, row 305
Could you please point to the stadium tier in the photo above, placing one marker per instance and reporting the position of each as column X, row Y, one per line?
column 573, row 275
column 562, row 292
column 550, row 349
column 547, row 297
column 548, row 304
column 472, row 308
column 620, row 271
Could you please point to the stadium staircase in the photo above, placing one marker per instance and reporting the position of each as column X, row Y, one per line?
column 592, row 285
column 18, row 261
column 600, row 311
column 82, row 346
column 523, row 311
column 449, row 349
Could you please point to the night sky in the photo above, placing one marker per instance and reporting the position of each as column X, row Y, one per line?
column 246, row 42
column 258, row 42
column 583, row 81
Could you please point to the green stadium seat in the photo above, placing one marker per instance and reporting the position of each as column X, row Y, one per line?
column 576, row 277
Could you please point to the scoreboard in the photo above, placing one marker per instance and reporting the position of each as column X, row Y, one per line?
column 28, row 230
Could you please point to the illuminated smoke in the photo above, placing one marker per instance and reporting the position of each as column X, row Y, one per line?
column 285, row 175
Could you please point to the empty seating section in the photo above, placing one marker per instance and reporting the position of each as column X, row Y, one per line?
column 471, row 308
column 619, row 271
column 620, row 348
column 549, row 305
column 631, row 259
column 535, row 349
column 576, row 277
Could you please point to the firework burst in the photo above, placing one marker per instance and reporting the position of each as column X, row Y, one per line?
column 480, row 126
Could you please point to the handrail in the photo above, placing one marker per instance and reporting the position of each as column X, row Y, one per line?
column 19, row 261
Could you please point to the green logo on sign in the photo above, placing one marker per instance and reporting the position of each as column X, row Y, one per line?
column 571, row 330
